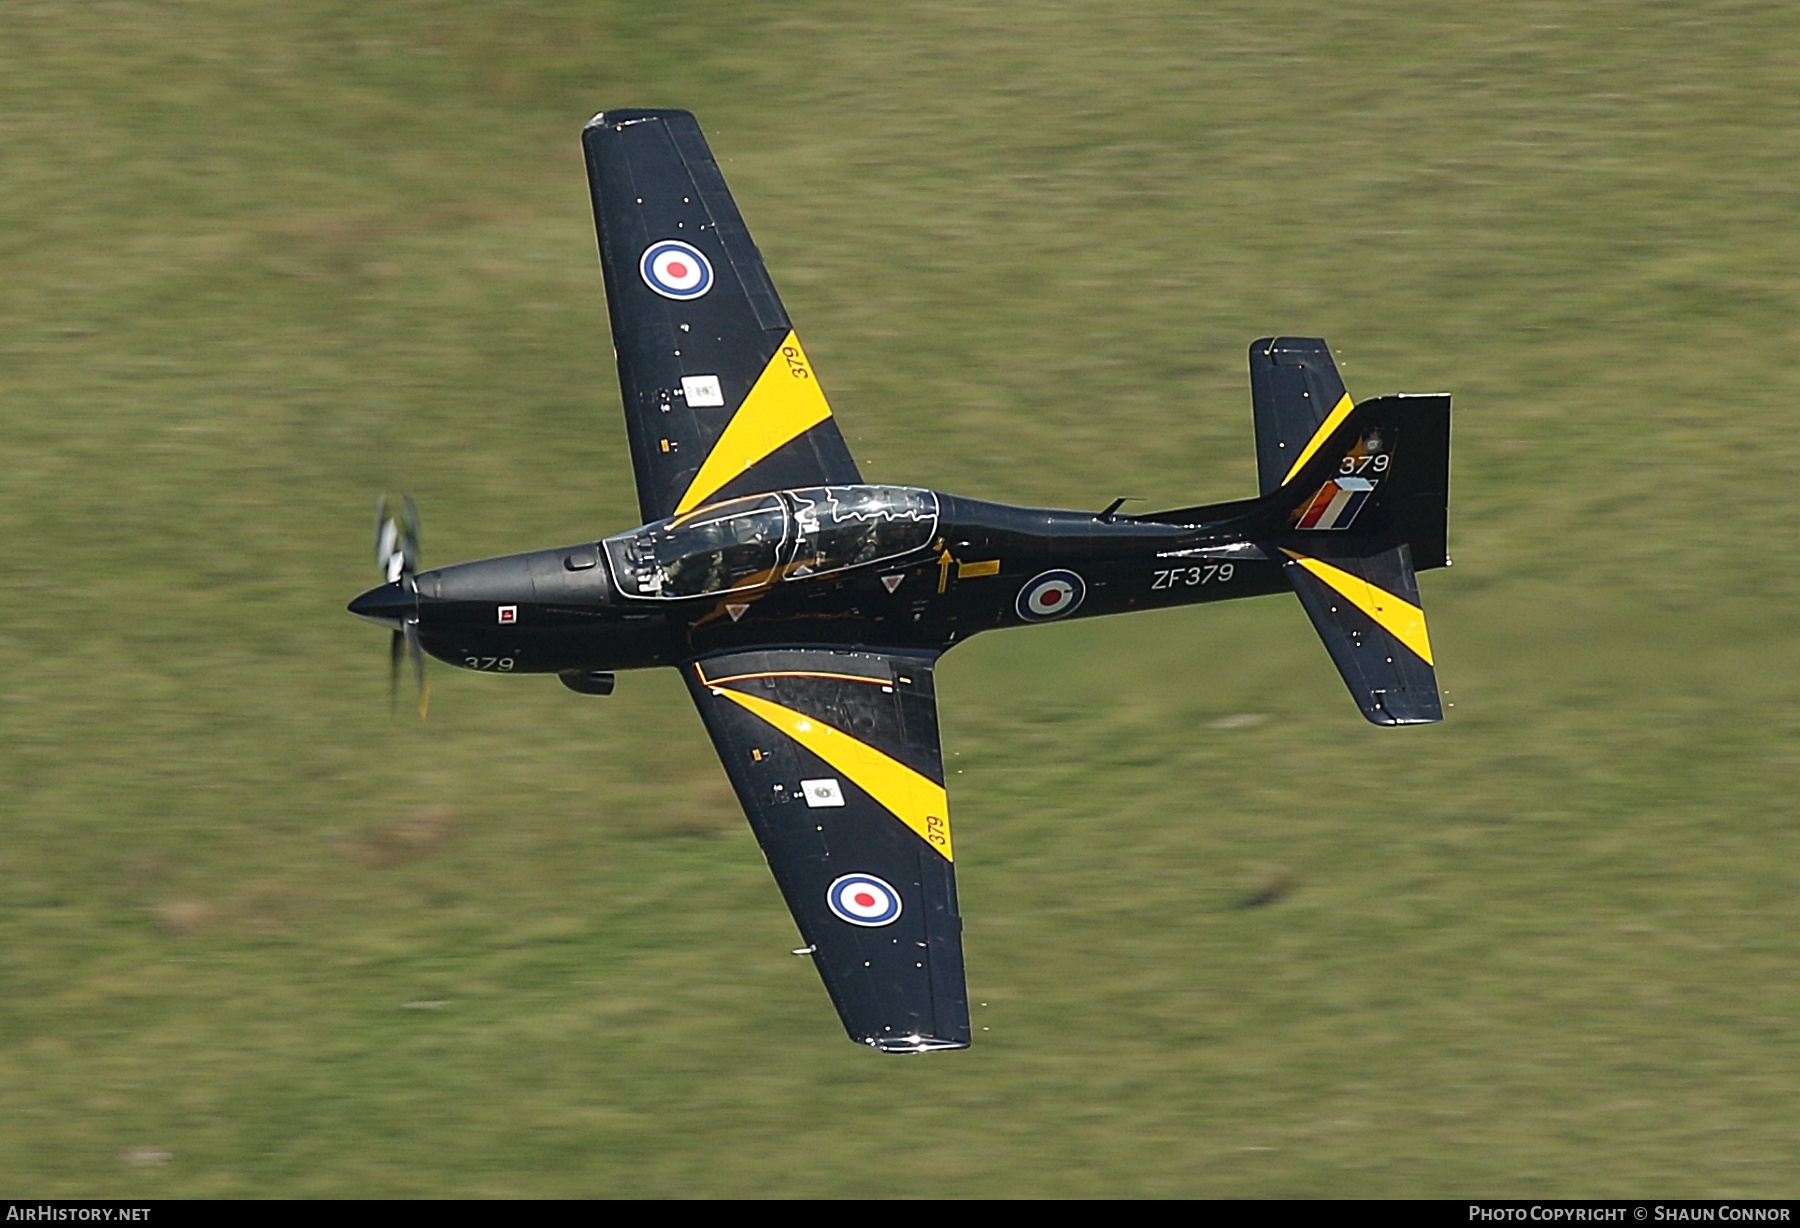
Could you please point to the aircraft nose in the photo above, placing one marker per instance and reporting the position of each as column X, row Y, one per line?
column 387, row 604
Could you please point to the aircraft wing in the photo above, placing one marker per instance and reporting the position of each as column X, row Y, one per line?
column 720, row 399
column 834, row 755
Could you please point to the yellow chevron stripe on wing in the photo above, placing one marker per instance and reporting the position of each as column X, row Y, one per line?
column 783, row 405
column 917, row 801
column 1338, row 413
column 1398, row 617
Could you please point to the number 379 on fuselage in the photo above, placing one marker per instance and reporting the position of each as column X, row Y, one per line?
column 892, row 566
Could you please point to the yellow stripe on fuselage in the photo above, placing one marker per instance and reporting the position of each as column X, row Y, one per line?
column 1338, row 413
column 784, row 404
column 917, row 801
column 1398, row 617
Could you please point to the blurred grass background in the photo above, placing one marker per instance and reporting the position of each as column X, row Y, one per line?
column 259, row 937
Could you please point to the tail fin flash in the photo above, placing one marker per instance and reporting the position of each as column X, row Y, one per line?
column 1299, row 401
column 1365, row 606
column 1381, row 472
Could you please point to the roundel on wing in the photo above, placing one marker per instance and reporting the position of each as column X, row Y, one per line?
column 1050, row 594
column 675, row 270
column 863, row 899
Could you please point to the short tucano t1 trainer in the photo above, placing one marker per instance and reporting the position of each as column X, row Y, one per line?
column 807, row 608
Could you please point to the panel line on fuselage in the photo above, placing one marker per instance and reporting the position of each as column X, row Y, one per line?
column 788, row 673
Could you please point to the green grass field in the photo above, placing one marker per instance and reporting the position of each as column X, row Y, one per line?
column 258, row 936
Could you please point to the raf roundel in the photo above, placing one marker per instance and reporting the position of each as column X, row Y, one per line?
column 675, row 270
column 1050, row 595
column 863, row 899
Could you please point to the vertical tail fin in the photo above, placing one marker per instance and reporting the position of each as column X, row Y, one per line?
column 1357, row 501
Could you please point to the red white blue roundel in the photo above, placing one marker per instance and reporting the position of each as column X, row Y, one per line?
column 863, row 899
column 675, row 270
column 1050, row 595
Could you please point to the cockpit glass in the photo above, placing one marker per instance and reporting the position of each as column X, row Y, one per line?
column 847, row 526
column 748, row 543
column 732, row 545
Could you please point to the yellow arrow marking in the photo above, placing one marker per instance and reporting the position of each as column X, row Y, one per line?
column 784, row 404
column 917, row 801
column 1398, row 617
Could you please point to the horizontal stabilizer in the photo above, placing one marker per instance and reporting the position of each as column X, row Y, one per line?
column 1365, row 606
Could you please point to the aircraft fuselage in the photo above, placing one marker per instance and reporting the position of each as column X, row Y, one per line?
column 969, row 566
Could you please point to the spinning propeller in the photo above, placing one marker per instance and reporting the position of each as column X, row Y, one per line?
column 397, row 554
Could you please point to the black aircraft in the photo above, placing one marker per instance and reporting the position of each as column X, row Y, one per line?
column 807, row 609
